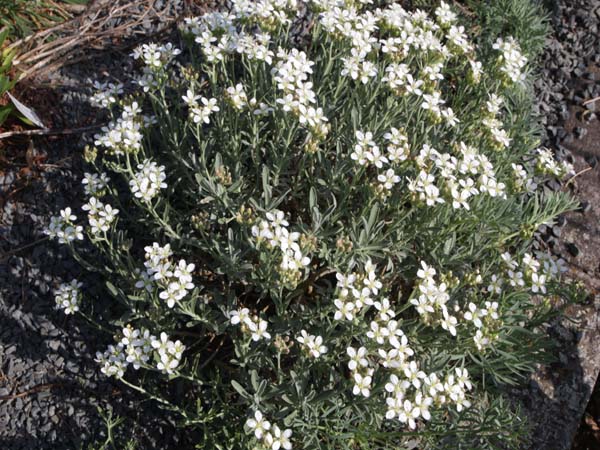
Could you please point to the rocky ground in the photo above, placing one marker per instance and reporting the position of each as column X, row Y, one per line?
column 50, row 388
column 52, row 395
column 569, row 91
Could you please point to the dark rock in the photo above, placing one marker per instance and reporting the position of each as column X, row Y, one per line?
column 580, row 132
column 592, row 160
column 572, row 249
column 584, row 206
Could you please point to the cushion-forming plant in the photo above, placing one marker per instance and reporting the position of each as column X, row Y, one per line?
column 316, row 221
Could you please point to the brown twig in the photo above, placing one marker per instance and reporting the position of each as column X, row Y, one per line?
column 94, row 28
column 48, row 132
column 591, row 100
column 576, row 175
column 10, row 253
column 33, row 390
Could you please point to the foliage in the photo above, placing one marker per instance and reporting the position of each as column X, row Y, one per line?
column 24, row 17
column 325, row 232
column 6, row 83
column 19, row 18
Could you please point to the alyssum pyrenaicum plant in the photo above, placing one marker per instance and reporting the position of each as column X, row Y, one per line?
column 324, row 237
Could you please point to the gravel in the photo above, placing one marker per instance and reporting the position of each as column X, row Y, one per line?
column 50, row 388
column 558, row 394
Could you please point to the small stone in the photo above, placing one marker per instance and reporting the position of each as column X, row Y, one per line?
column 556, row 231
column 592, row 160
column 584, row 206
column 580, row 132
column 572, row 249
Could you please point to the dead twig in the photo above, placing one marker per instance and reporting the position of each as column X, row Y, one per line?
column 576, row 175
column 48, row 132
column 94, row 28
column 10, row 253
column 591, row 100
column 33, row 390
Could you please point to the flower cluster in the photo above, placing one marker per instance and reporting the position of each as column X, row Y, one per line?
column 268, row 14
column 135, row 348
column 432, row 300
column 415, row 392
column 154, row 55
column 94, row 184
column 200, row 113
column 512, row 61
column 68, row 296
column 530, row 270
column 357, row 291
column 106, row 94
column 412, row 390
column 218, row 36
column 494, row 125
column 169, row 353
column 275, row 234
column 63, row 227
column 124, row 135
column 253, row 325
column 456, row 172
column 174, row 279
column 546, row 164
column 271, row 437
column 156, row 58
column 523, row 182
column 485, row 320
column 100, row 215
column 148, row 181
column 236, row 95
column 313, row 345
column 291, row 75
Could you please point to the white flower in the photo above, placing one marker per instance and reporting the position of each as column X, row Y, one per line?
column 362, row 385
column 449, row 322
column 538, row 283
column 94, row 183
column 462, row 378
column 202, row 113
column 408, row 414
column 495, row 286
column 516, row 279
column 388, row 179
column 357, row 358
column 344, row 309
column 258, row 424
column 313, row 344
column 481, row 341
column 190, row 98
column 148, row 181
column 413, row 374
column 426, row 272
column 169, row 353
column 237, row 96
column 63, row 229
column 259, row 330
column 68, row 297
column 278, row 439
column 240, row 316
